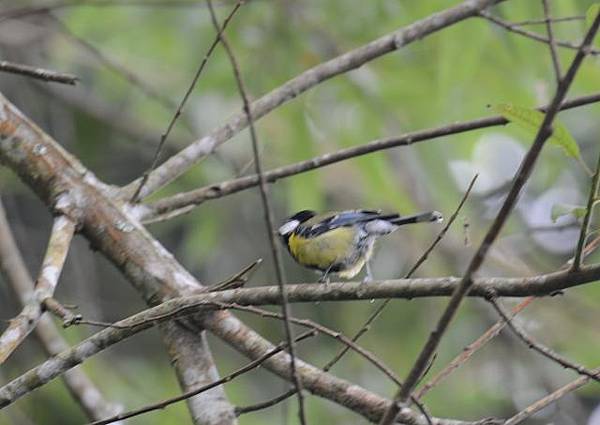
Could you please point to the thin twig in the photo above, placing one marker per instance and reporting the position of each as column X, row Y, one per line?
column 529, row 34
column 56, row 253
column 113, row 65
column 165, row 403
column 540, row 348
column 549, row 399
column 553, row 20
column 165, row 135
column 38, row 73
column 551, row 42
column 471, row 349
column 196, row 197
column 265, row 404
column 238, row 280
column 268, row 215
column 586, row 219
column 466, row 283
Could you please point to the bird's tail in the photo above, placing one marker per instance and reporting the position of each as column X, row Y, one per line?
column 431, row 216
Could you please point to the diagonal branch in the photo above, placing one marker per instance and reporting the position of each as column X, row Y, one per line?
column 549, row 399
column 534, row 345
column 579, row 250
column 196, row 151
column 137, row 193
column 185, row 396
column 82, row 389
column 516, row 28
column 182, row 201
column 56, row 253
column 469, row 350
column 466, row 283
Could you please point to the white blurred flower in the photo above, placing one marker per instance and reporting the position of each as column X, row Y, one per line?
column 496, row 158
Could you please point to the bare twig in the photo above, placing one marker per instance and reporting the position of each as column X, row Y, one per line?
column 38, row 73
column 113, row 65
column 553, row 20
column 551, row 42
column 542, row 349
column 56, row 253
column 466, row 283
column 195, row 197
column 178, row 164
column 195, row 368
column 81, row 388
column 469, row 350
column 163, row 138
column 529, row 34
column 549, row 399
column 265, row 404
column 579, row 251
column 165, row 403
column 238, row 280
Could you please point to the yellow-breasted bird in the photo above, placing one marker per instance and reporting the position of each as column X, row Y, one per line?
column 341, row 241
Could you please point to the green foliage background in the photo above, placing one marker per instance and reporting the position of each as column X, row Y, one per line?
column 450, row 76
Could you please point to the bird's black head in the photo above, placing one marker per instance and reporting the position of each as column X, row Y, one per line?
column 290, row 224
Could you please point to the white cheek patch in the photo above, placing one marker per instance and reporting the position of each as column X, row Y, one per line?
column 288, row 227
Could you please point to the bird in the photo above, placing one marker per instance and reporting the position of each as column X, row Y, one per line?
column 341, row 242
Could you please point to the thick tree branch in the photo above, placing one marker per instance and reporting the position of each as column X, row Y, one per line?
column 56, row 254
column 178, row 164
column 71, row 190
column 195, row 367
column 195, row 197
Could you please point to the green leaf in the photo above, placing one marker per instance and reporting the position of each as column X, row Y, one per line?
column 560, row 210
column 591, row 14
column 531, row 120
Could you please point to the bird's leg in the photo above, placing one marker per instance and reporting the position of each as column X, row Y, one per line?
column 369, row 276
column 325, row 276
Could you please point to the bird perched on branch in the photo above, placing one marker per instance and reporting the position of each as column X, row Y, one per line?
column 341, row 242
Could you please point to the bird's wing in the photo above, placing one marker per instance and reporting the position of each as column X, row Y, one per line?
column 342, row 219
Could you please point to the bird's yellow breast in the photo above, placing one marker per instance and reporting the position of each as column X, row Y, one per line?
column 324, row 250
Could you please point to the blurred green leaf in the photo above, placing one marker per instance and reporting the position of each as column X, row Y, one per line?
column 531, row 120
column 591, row 14
column 560, row 210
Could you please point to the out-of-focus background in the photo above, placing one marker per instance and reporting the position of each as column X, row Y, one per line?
column 136, row 60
